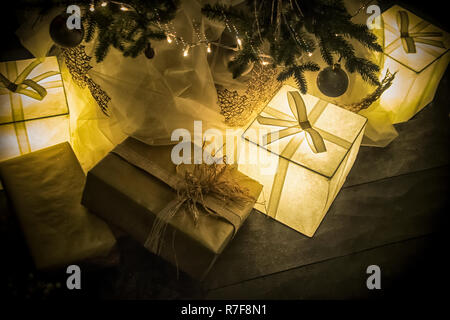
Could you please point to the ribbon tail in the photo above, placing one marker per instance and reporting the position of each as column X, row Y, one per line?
column 45, row 75
column 277, row 135
column 156, row 234
column 5, row 81
column 24, row 74
column 408, row 45
column 39, row 93
column 315, row 141
column 431, row 42
column 275, row 122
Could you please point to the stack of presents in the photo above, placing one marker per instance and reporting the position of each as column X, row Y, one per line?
column 302, row 149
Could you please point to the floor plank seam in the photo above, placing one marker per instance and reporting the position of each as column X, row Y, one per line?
column 324, row 260
column 396, row 176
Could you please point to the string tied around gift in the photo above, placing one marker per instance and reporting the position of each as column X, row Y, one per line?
column 301, row 123
column 210, row 186
column 409, row 38
column 197, row 186
column 21, row 83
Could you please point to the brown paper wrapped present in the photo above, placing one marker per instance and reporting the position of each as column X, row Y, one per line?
column 134, row 185
column 45, row 189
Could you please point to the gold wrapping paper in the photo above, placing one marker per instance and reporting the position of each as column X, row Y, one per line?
column 300, row 184
column 419, row 52
column 33, row 106
column 130, row 198
column 45, row 189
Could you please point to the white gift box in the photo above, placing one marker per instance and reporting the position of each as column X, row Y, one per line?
column 299, row 183
column 418, row 51
column 33, row 107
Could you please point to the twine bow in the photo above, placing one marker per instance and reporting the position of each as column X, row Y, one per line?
column 409, row 38
column 298, row 108
column 20, row 84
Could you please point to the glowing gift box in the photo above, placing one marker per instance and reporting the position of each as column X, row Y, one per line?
column 301, row 149
column 418, row 51
column 33, row 106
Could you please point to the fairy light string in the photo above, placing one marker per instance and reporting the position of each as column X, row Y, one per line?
column 173, row 37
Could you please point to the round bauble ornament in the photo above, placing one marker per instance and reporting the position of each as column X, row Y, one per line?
column 149, row 51
column 332, row 81
column 62, row 35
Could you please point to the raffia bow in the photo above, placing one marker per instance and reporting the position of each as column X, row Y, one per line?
column 409, row 37
column 301, row 123
column 210, row 187
column 20, row 84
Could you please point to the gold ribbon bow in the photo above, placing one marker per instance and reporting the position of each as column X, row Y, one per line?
column 21, row 83
column 301, row 123
column 409, row 37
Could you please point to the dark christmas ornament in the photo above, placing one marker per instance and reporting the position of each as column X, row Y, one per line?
column 149, row 51
column 332, row 81
column 62, row 35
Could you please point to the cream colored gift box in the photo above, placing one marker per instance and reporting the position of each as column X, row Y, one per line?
column 300, row 184
column 418, row 51
column 33, row 106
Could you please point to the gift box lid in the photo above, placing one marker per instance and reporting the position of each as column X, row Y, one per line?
column 45, row 73
column 338, row 127
column 429, row 41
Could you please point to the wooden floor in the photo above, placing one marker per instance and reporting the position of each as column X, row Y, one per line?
column 391, row 212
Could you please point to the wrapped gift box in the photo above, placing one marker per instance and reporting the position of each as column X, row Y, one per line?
column 418, row 51
column 45, row 189
column 300, row 184
column 33, row 106
column 125, row 190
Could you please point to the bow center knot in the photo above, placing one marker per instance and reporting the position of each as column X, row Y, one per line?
column 305, row 124
column 404, row 34
column 12, row 86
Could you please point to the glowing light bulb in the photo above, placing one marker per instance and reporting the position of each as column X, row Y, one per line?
column 104, row 4
column 92, row 8
column 208, row 48
column 169, row 39
column 186, row 52
column 123, row 8
column 310, row 54
column 264, row 63
column 239, row 41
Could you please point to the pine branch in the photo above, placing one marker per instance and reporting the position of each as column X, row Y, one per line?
column 292, row 33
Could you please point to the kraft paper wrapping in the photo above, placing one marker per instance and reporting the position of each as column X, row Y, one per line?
column 31, row 120
column 45, row 189
column 130, row 198
column 300, row 185
column 418, row 51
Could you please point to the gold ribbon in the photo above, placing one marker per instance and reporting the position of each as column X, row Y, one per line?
column 410, row 36
column 209, row 186
column 20, row 86
column 302, row 122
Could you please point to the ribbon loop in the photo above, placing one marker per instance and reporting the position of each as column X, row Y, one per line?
column 409, row 39
column 20, row 84
column 298, row 108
